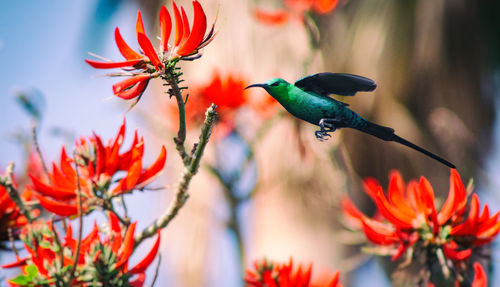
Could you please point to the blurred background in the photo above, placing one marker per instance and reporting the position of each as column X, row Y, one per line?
column 267, row 187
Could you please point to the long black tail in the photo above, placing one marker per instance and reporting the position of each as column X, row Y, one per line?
column 388, row 134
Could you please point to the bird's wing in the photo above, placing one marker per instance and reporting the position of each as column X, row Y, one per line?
column 340, row 84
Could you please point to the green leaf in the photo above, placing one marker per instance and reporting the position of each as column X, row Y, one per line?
column 21, row 280
column 31, row 270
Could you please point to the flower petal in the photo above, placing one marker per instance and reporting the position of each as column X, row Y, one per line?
column 146, row 261
column 129, row 83
column 199, row 28
column 139, row 26
column 125, row 49
column 112, row 65
column 127, row 246
column 149, row 51
column 392, row 213
column 480, row 278
column 457, row 198
column 178, row 25
column 165, row 27
column 150, row 173
column 56, row 207
column 135, row 91
column 17, row 263
column 185, row 28
column 52, row 191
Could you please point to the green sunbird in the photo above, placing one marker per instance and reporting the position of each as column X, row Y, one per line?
column 309, row 100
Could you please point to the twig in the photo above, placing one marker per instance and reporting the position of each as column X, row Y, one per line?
column 11, row 239
column 125, row 210
column 80, row 221
column 172, row 81
column 39, row 153
column 58, row 242
column 181, row 194
column 157, row 269
column 6, row 181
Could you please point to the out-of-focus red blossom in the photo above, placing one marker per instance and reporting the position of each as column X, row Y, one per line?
column 10, row 214
column 120, row 242
column 411, row 216
column 98, row 164
column 480, row 278
column 294, row 9
column 269, row 274
column 142, row 67
column 227, row 92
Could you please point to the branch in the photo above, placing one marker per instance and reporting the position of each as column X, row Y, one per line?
column 181, row 194
column 172, row 80
column 6, row 181
column 80, row 221
column 39, row 152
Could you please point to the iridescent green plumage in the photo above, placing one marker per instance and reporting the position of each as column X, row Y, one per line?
column 308, row 99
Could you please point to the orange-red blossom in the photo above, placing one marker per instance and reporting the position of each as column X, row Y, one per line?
column 98, row 164
column 411, row 216
column 294, row 9
column 10, row 214
column 42, row 252
column 269, row 274
column 142, row 67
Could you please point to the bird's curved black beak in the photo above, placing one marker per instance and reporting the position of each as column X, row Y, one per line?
column 257, row 85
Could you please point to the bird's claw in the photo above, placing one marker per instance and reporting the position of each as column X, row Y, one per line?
column 322, row 135
column 326, row 127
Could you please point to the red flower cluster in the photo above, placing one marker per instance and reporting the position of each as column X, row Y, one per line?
column 107, row 256
column 268, row 274
column 97, row 165
column 187, row 43
column 411, row 218
column 294, row 9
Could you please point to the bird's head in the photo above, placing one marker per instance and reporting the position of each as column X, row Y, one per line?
column 275, row 87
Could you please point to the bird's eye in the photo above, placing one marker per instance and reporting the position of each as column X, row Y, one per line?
column 274, row 84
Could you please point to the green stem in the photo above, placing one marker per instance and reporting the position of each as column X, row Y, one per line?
column 6, row 181
column 190, row 170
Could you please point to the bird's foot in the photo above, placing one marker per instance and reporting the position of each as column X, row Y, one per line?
column 326, row 125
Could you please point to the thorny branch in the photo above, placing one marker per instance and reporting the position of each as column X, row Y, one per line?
column 172, row 79
column 190, row 170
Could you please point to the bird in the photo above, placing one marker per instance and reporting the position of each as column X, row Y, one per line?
column 309, row 99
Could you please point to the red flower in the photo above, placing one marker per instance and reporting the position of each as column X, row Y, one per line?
column 94, row 253
column 269, row 274
column 97, row 165
column 187, row 43
column 227, row 92
column 10, row 214
column 294, row 9
column 411, row 218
